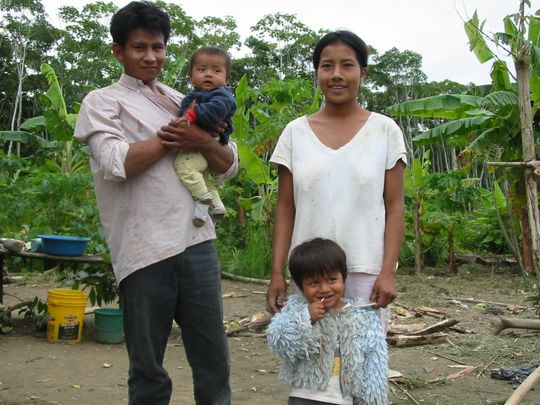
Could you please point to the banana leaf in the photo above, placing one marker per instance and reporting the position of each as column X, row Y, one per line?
column 26, row 138
column 453, row 128
column 257, row 170
column 474, row 30
column 451, row 106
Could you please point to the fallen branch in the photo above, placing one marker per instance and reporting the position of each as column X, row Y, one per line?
column 405, row 392
column 490, row 303
column 462, row 258
column 521, row 391
column 502, row 322
column 447, row 358
column 234, row 277
column 466, row 370
column 414, row 340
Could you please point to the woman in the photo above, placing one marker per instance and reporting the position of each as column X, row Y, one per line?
column 341, row 177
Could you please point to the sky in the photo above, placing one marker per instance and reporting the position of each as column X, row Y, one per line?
column 432, row 28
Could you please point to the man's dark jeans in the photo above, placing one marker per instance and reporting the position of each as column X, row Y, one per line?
column 186, row 288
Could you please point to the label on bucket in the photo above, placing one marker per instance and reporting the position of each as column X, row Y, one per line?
column 68, row 331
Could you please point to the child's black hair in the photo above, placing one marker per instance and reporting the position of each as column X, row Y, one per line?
column 212, row 50
column 342, row 37
column 315, row 257
column 139, row 14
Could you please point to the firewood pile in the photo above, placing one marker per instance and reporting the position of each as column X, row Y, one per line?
column 405, row 331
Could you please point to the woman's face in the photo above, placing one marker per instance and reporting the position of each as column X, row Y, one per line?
column 339, row 74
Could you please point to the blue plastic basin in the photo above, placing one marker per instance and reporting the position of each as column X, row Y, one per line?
column 61, row 245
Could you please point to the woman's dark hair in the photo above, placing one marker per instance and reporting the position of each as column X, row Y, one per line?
column 315, row 257
column 342, row 37
column 212, row 50
column 139, row 14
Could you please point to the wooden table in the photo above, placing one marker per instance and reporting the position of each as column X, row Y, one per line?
column 96, row 259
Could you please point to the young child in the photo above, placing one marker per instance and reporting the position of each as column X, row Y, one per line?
column 211, row 103
column 334, row 348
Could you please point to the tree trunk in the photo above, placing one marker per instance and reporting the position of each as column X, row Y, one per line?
column 451, row 255
column 522, row 65
column 418, row 262
column 528, row 266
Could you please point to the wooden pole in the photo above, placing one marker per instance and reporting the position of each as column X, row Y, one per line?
column 522, row 65
column 521, row 391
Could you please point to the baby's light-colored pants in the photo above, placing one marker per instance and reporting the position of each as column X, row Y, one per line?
column 193, row 171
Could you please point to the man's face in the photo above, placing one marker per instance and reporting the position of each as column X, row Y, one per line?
column 143, row 55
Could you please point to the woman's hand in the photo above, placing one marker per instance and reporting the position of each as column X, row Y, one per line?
column 276, row 295
column 384, row 290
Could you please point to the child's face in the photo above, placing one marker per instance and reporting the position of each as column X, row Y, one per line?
column 328, row 288
column 209, row 72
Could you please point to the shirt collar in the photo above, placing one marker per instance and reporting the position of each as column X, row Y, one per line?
column 131, row 82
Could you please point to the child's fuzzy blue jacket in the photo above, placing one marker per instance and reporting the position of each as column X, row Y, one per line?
column 308, row 350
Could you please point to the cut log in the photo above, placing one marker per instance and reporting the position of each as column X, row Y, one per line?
column 415, row 340
column 258, row 320
column 526, row 386
column 421, row 328
column 444, row 324
column 500, row 323
column 398, row 329
column 430, row 312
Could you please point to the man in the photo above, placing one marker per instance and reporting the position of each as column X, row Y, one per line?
column 166, row 267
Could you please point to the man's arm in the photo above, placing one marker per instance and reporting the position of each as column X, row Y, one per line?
column 220, row 157
column 143, row 154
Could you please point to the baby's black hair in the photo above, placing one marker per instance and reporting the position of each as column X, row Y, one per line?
column 139, row 14
column 342, row 37
column 315, row 257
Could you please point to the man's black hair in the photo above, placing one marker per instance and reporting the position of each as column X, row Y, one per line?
column 139, row 14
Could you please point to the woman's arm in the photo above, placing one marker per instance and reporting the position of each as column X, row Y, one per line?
column 384, row 289
column 276, row 294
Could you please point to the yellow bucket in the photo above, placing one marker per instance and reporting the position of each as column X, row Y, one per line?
column 65, row 315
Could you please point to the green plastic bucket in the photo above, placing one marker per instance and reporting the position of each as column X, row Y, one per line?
column 109, row 327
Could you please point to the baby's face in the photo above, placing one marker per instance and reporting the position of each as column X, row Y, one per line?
column 209, row 72
column 327, row 288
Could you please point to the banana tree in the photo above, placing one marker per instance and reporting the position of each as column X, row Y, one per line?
column 493, row 126
column 52, row 131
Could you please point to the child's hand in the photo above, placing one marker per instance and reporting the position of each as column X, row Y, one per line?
column 180, row 122
column 316, row 311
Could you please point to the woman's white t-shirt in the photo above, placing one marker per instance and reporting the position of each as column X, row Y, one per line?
column 338, row 193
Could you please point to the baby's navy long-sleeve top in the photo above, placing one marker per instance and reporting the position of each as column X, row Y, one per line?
column 213, row 106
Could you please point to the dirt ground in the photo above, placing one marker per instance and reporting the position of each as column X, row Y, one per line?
column 33, row 371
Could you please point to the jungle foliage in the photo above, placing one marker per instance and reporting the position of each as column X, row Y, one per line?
column 455, row 203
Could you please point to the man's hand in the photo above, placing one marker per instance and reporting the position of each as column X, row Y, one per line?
column 177, row 134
